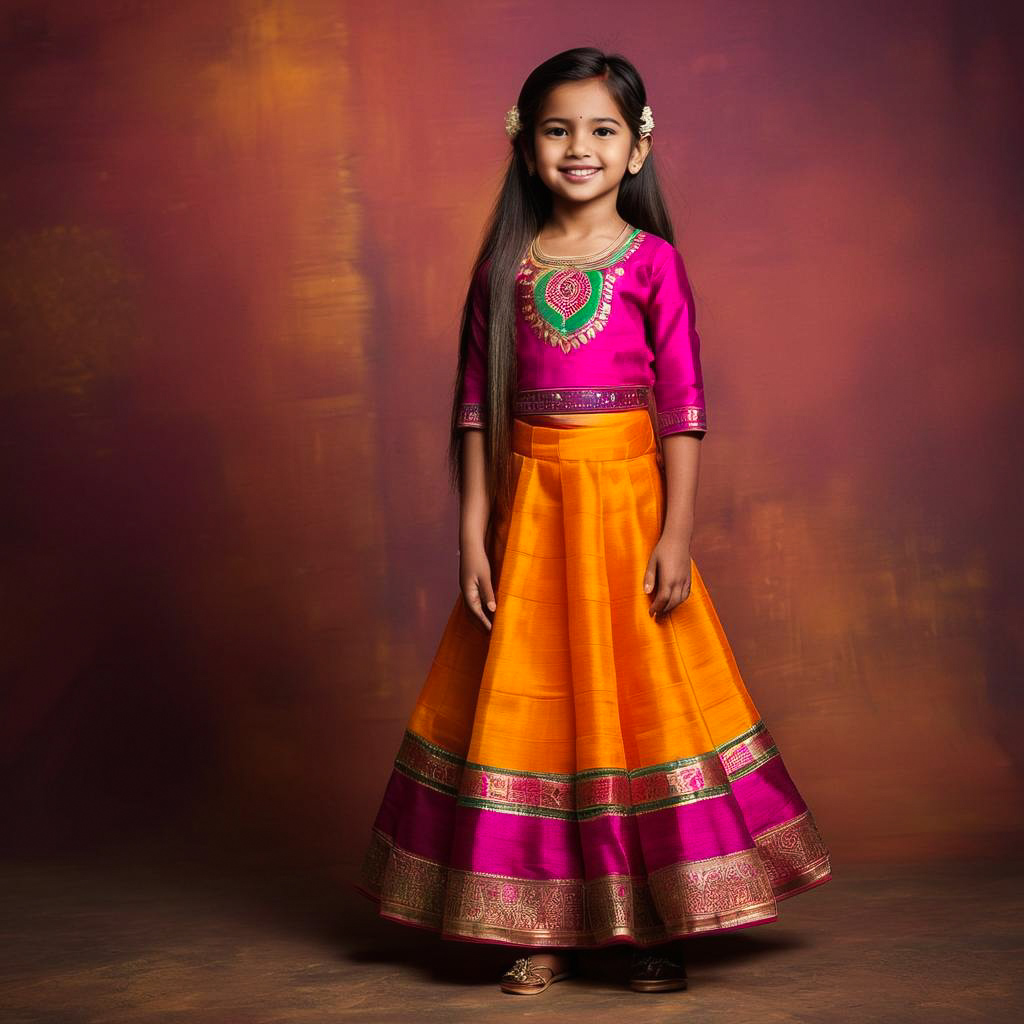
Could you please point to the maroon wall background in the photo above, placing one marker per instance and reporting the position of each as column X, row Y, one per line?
column 235, row 240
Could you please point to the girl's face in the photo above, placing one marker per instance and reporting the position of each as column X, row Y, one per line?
column 579, row 125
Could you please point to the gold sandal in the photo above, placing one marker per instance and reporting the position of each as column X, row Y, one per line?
column 524, row 977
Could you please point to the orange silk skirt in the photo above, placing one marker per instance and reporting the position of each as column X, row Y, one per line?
column 585, row 773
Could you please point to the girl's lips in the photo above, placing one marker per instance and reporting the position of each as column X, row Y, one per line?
column 568, row 175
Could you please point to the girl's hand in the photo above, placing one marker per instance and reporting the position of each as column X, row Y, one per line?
column 475, row 579
column 669, row 569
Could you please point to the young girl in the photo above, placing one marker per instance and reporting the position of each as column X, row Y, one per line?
column 584, row 764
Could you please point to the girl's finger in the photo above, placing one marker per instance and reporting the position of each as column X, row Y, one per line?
column 658, row 605
column 650, row 577
column 479, row 612
column 488, row 593
column 482, row 587
column 671, row 599
column 473, row 600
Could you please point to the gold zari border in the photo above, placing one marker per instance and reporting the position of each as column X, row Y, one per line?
column 586, row 794
column 682, row 899
column 690, row 417
column 471, row 414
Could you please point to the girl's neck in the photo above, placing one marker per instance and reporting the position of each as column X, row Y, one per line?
column 566, row 235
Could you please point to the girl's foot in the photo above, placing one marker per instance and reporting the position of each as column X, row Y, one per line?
column 531, row 975
column 651, row 973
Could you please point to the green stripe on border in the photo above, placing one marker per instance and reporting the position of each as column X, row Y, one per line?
column 592, row 773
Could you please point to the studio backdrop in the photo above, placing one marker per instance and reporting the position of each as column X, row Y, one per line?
column 235, row 242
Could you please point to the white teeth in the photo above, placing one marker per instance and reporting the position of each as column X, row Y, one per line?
column 582, row 173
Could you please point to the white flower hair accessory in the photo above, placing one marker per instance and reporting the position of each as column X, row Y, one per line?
column 646, row 123
column 512, row 122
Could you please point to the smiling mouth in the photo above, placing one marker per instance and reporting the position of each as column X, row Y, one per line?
column 579, row 173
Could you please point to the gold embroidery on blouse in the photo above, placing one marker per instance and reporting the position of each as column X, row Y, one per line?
column 567, row 306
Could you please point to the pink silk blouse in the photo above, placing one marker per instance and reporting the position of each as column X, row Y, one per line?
column 597, row 340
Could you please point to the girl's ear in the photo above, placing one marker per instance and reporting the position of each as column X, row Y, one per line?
column 639, row 154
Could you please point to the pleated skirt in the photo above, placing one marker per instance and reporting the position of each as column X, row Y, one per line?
column 585, row 773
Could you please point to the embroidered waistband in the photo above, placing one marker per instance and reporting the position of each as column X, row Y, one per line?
column 541, row 400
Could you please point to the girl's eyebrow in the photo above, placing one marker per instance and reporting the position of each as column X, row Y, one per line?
column 569, row 120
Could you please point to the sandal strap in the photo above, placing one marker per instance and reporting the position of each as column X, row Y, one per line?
column 526, row 971
column 653, row 966
column 652, row 960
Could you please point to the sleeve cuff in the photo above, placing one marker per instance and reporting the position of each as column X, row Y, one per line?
column 683, row 418
column 471, row 415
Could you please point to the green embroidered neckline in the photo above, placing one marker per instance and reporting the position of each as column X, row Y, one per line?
column 568, row 306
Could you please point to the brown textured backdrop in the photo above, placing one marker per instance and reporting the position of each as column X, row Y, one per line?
column 234, row 241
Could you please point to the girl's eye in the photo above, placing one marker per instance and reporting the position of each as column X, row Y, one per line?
column 611, row 131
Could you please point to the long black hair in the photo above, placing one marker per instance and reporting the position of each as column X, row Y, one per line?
column 519, row 213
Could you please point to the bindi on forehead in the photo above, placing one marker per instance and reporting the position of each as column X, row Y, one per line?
column 582, row 117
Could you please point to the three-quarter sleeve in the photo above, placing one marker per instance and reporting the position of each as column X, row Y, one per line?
column 672, row 322
column 474, row 384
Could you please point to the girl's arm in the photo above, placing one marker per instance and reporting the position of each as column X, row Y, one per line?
column 682, row 423
column 668, row 568
column 682, row 472
column 474, row 505
column 474, row 512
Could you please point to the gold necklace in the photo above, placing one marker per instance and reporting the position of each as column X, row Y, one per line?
column 552, row 261
column 573, row 260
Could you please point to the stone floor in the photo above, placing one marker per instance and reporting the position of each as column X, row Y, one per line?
column 104, row 942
